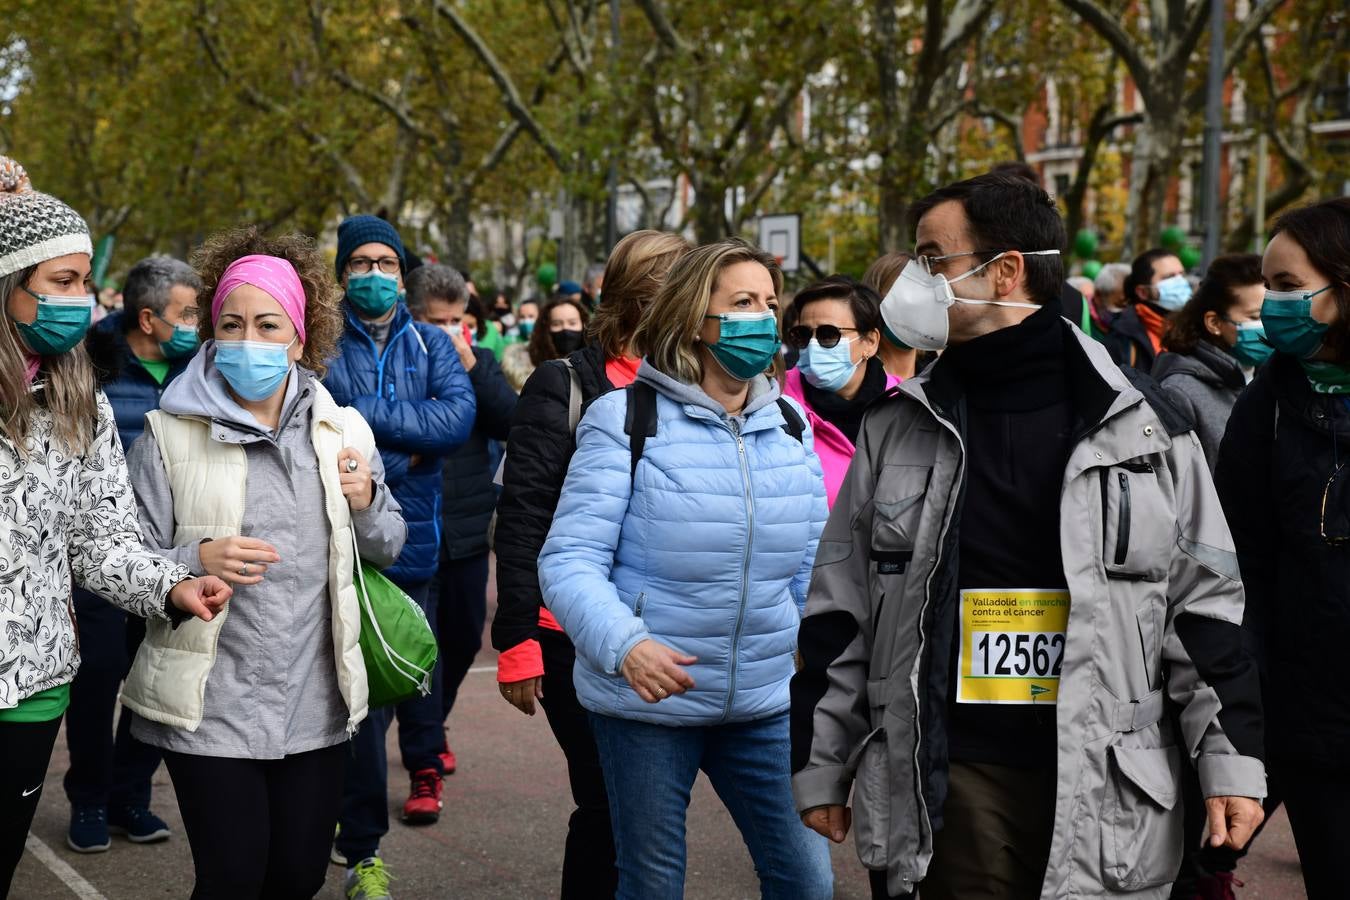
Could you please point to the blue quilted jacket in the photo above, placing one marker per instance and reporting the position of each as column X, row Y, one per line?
column 419, row 402
column 708, row 550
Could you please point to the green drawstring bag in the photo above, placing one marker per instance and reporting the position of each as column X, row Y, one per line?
column 397, row 643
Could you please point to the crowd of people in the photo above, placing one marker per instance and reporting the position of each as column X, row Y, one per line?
column 1033, row 585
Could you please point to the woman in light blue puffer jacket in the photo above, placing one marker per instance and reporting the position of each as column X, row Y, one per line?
column 679, row 568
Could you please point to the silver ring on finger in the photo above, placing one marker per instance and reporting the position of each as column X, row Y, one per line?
column 243, row 571
column 352, row 465
column 659, row 692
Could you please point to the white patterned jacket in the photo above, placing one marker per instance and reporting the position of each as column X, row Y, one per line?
column 64, row 517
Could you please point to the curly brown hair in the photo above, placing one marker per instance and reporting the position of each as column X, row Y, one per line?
column 323, row 312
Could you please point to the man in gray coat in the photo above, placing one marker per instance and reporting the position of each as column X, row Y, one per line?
column 1026, row 566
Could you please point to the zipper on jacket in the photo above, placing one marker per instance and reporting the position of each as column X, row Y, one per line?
column 735, row 429
column 641, row 602
column 1123, row 521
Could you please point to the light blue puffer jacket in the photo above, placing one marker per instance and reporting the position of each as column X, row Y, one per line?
column 708, row 550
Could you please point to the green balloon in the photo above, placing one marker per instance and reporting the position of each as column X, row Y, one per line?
column 1173, row 238
column 1085, row 244
column 547, row 276
column 1189, row 256
column 1091, row 268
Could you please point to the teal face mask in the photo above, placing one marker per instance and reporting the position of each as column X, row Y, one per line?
column 1251, row 349
column 60, row 324
column 1289, row 323
column 526, row 328
column 373, row 293
column 746, row 343
column 895, row 341
column 183, row 343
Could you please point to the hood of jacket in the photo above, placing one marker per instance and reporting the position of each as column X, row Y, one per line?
column 201, row 391
column 1206, row 362
column 763, row 391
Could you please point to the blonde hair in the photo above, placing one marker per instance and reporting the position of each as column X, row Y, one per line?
column 68, row 387
column 667, row 335
column 881, row 274
column 636, row 269
column 323, row 313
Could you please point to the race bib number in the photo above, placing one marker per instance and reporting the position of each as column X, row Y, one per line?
column 1012, row 645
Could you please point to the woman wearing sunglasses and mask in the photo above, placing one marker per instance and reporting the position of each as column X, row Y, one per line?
column 67, row 515
column 839, row 372
column 1285, row 489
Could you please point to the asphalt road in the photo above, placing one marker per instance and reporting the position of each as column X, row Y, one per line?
column 500, row 836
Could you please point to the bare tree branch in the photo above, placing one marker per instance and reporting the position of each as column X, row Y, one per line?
column 1124, row 45
column 661, row 25
column 514, row 104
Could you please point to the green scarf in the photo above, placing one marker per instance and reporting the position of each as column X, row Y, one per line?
column 1327, row 378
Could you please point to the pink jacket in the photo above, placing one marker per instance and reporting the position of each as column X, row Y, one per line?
column 835, row 450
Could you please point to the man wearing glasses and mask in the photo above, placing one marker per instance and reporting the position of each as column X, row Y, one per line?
column 1025, row 562
column 406, row 380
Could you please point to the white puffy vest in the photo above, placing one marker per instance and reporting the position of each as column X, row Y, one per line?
column 168, row 679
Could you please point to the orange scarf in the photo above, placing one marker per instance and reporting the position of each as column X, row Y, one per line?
column 1154, row 322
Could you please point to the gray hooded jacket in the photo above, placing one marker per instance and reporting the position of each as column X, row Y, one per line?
column 273, row 690
column 1156, row 609
column 1204, row 383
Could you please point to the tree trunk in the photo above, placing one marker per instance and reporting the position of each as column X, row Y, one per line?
column 457, row 228
column 710, row 221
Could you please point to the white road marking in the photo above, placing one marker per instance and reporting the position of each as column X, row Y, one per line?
column 61, row 869
column 479, row 670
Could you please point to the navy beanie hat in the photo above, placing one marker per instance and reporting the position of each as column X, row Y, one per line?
column 358, row 230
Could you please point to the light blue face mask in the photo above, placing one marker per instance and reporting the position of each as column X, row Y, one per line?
column 828, row 368
column 255, row 370
column 1174, row 292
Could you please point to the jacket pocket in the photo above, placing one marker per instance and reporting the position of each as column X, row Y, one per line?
column 872, row 801
column 1142, row 823
column 1136, row 528
column 897, row 505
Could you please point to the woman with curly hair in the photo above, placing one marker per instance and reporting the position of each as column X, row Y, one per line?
column 251, row 472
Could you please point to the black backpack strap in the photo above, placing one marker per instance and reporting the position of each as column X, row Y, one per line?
column 640, row 421
column 1175, row 420
column 793, row 425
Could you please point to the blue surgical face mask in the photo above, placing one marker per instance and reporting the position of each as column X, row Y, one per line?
column 746, row 343
column 1251, row 349
column 373, row 293
column 1289, row 323
column 255, row 370
column 828, row 368
column 60, row 324
column 1173, row 292
column 183, row 343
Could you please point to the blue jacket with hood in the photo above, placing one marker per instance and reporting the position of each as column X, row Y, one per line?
column 419, row 402
column 706, row 548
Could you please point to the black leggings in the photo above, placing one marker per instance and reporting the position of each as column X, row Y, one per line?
column 25, row 750
column 259, row 827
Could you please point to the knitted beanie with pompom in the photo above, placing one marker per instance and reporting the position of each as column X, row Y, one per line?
column 35, row 227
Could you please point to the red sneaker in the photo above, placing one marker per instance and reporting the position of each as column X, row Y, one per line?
column 1217, row 886
column 424, row 800
column 447, row 760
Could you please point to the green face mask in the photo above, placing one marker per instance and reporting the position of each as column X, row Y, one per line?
column 746, row 343
column 894, row 341
column 60, row 324
column 183, row 343
column 1327, row 378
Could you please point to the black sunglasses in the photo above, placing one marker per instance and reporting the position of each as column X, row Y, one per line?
column 798, row 336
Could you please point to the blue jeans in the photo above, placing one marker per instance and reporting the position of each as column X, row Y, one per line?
column 649, row 773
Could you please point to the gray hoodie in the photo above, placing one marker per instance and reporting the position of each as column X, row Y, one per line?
column 273, row 691
column 1205, row 383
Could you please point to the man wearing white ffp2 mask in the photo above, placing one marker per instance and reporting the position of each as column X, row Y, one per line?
column 1001, row 510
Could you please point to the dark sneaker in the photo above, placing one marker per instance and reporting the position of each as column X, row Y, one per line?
column 139, row 824
column 424, row 800
column 88, row 829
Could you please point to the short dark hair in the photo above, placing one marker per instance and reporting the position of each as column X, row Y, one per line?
column 1007, row 212
column 473, row 305
column 1186, row 328
column 149, row 283
column 1141, row 272
column 862, row 301
column 1018, row 169
column 1323, row 231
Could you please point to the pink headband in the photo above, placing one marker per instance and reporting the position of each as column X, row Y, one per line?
column 272, row 274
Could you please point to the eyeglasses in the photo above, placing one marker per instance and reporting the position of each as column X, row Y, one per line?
column 827, row 336
column 1334, row 498
column 360, row 265
column 929, row 263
